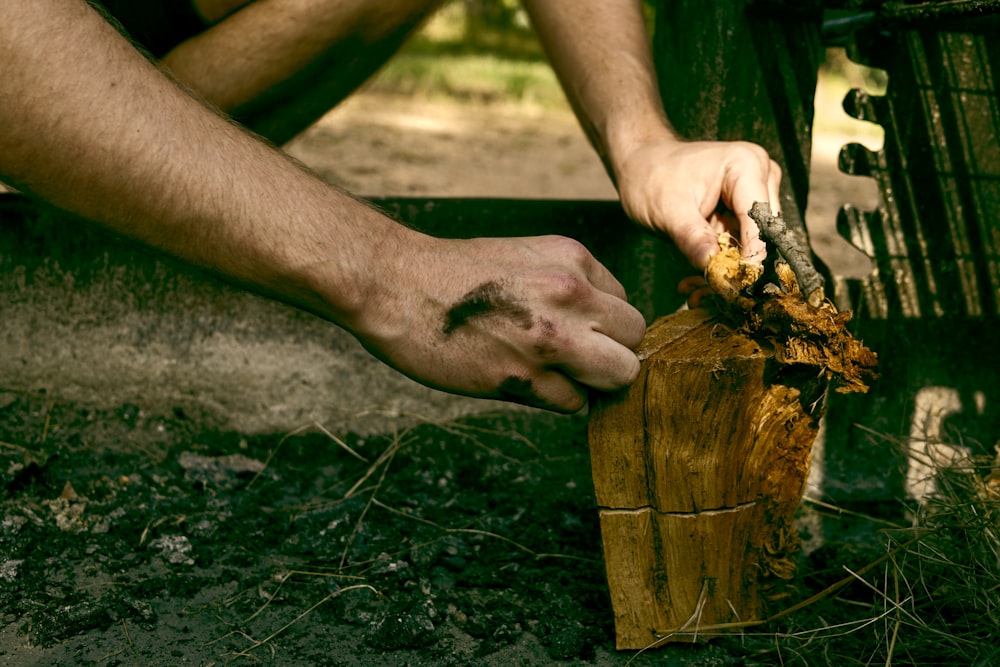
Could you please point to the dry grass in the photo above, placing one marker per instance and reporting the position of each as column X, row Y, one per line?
column 932, row 596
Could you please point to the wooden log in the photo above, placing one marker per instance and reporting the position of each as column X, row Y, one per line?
column 699, row 467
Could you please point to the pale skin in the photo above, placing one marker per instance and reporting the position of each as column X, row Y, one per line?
column 91, row 126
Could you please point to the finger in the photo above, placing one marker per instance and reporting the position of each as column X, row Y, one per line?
column 756, row 252
column 690, row 284
column 601, row 363
column 696, row 239
column 696, row 297
column 618, row 320
column 600, row 298
column 724, row 220
column 694, row 289
column 774, row 186
column 602, row 278
column 592, row 346
column 752, row 246
column 575, row 361
column 551, row 390
column 752, row 178
column 589, row 336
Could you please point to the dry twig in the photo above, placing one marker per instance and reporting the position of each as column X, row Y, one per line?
column 793, row 248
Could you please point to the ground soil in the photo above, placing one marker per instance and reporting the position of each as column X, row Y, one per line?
column 128, row 540
column 148, row 543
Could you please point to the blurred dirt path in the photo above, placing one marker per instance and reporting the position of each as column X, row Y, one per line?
column 377, row 144
column 392, row 145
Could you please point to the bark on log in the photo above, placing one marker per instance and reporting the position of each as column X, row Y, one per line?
column 699, row 467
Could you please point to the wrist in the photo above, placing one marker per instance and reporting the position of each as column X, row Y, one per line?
column 362, row 291
column 631, row 132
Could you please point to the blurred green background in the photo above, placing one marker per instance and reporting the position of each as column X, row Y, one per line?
column 475, row 50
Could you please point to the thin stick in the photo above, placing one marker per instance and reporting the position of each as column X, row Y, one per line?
column 484, row 533
column 258, row 643
column 12, row 446
column 270, row 455
column 793, row 248
column 343, row 445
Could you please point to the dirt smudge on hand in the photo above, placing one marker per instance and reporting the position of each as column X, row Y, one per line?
column 487, row 300
column 519, row 389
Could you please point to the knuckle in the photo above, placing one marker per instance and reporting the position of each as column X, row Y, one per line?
column 746, row 152
column 570, row 249
column 566, row 286
column 755, row 150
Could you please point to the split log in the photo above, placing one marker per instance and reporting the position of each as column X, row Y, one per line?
column 700, row 465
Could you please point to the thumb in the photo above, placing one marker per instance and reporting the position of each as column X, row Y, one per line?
column 696, row 239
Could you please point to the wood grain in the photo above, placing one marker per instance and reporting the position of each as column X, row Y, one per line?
column 699, row 467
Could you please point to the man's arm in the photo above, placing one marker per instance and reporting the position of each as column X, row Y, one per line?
column 88, row 124
column 600, row 50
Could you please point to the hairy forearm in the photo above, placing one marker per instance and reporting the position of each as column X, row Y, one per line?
column 599, row 49
column 690, row 190
column 91, row 126
column 88, row 124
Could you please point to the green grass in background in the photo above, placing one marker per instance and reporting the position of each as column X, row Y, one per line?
column 472, row 77
column 451, row 58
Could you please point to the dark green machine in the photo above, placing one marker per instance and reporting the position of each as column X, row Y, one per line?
column 931, row 309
